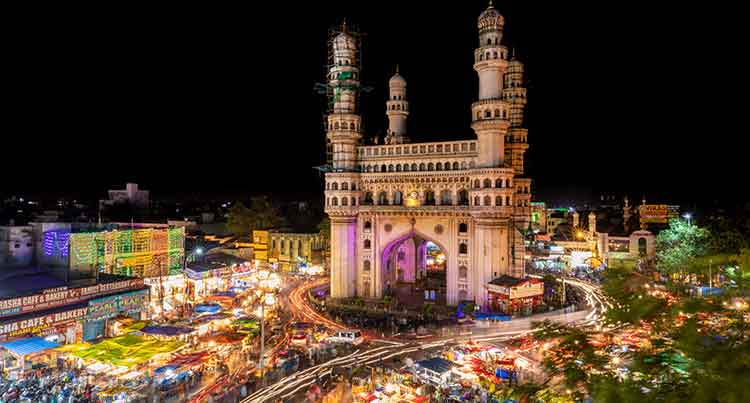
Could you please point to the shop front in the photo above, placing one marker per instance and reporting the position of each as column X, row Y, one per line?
column 202, row 281
column 512, row 295
column 132, row 304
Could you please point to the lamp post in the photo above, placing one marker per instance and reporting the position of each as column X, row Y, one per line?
column 687, row 216
column 262, row 294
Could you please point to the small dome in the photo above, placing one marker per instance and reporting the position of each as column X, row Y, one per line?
column 490, row 18
column 343, row 41
column 397, row 81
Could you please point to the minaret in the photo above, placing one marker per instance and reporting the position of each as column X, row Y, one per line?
column 592, row 223
column 344, row 135
column 397, row 109
column 514, row 93
column 576, row 221
column 626, row 216
column 490, row 114
column 344, row 122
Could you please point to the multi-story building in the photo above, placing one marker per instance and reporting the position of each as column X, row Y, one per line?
column 404, row 215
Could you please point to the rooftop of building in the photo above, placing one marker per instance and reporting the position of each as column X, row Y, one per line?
column 16, row 282
column 510, row 281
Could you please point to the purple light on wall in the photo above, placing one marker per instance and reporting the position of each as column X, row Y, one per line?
column 56, row 243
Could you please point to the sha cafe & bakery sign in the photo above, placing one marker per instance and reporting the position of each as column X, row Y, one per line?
column 56, row 297
column 37, row 325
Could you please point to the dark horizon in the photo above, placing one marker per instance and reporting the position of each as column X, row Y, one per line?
column 199, row 103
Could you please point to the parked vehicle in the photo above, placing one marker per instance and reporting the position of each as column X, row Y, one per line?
column 353, row 337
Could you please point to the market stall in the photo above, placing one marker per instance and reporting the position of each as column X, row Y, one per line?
column 28, row 353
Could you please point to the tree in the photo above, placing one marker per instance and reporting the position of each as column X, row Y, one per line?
column 261, row 215
column 679, row 245
column 324, row 228
column 239, row 219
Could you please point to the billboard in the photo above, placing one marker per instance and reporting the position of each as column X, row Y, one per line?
column 657, row 213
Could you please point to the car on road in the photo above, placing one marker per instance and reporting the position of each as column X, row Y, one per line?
column 300, row 339
column 351, row 336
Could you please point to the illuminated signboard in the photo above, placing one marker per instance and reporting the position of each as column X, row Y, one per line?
column 657, row 213
column 38, row 325
column 56, row 297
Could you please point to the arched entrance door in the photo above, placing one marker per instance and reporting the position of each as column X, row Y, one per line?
column 414, row 270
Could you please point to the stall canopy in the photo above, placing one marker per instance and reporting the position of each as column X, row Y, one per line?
column 127, row 350
column 28, row 346
column 166, row 330
column 207, row 308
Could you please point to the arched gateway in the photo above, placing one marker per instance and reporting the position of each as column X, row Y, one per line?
column 414, row 269
column 459, row 202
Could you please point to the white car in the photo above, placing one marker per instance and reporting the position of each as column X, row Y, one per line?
column 347, row 336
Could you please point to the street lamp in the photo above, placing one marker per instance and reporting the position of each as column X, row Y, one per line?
column 263, row 294
column 687, row 216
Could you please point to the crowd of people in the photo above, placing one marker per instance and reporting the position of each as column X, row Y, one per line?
column 49, row 386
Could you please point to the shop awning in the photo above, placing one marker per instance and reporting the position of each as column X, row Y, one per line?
column 207, row 308
column 28, row 346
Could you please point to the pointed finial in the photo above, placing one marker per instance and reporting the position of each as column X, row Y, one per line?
column 490, row 6
column 396, row 68
column 343, row 25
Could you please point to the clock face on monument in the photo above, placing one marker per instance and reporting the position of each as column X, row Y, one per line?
column 412, row 200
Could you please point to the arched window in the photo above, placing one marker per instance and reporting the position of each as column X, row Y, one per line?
column 455, row 166
column 497, row 113
column 382, row 199
column 445, row 197
column 354, row 201
column 413, row 167
column 398, row 198
column 494, row 55
column 476, row 200
column 351, row 126
column 369, row 168
column 489, row 41
column 495, row 41
column 498, row 183
column 479, row 115
column 367, row 244
column 463, row 272
column 429, row 198
column 430, row 166
column 498, row 200
column 476, row 183
column 344, row 201
column 487, row 201
column 368, row 198
column 398, row 107
column 439, row 166
column 463, row 248
column 383, row 168
column 345, row 186
column 368, row 226
column 334, row 186
column 507, row 183
column 463, row 197
column 507, row 201
column 354, row 186
column 421, row 166
column 487, row 183
column 481, row 56
column 328, row 186
column 398, row 167
column 335, row 201
column 366, row 265
column 390, row 167
column 487, row 55
column 487, row 114
column 447, row 166
column 463, row 227
column 328, row 201
column 336, row 125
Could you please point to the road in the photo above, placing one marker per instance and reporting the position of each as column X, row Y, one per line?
column 384, row 349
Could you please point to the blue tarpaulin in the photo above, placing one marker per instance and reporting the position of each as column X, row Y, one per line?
column 165, row 369
column 225, row 294
column 207, row 308
column 28, row 346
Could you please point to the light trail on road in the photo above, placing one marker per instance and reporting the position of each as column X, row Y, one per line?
column 293, row 384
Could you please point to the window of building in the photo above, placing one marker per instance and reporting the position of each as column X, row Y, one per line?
column 366, row 265
column 487, row 201
column 487, row 183
column 463, row 248
column 368, row 226
column 463, row 227
column 367, row 244
column 463, row 272
column 498, row 200
column 498, row 183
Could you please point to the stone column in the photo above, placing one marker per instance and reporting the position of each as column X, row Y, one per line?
column 344, row 261
column 490, row 241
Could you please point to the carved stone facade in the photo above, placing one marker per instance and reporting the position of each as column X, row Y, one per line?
column 467, row 197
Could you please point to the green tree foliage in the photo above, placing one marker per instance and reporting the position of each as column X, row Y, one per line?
column 324, row 228
column 679, row 245
column 261, row 215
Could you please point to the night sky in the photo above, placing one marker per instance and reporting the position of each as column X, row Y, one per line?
column 623, row 97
